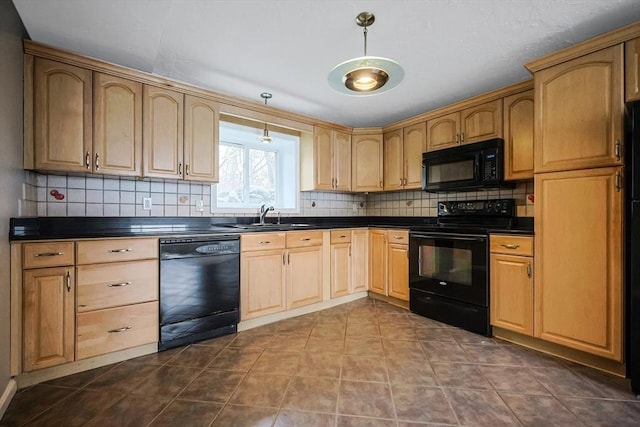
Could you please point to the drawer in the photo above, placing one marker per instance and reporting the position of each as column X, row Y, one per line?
column 113, row 329
column 115, row 250
column 115, row 284
column 302, row 239
column 512, row 245
column 261, row 241
column 400, row 237
column 340, row 236
column 53, row 254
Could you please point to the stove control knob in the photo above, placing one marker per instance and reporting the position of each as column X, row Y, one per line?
column 460, row 205
column 442, row 207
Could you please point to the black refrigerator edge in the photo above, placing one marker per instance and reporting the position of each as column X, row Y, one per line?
column 632, row 244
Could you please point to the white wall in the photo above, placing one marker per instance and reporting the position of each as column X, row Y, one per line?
column 11, row 174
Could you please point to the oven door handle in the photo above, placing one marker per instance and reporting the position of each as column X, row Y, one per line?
column 450, row 236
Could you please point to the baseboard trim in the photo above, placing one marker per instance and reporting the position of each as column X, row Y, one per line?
column 41, row 375
column 270, row 318
column 7, row 395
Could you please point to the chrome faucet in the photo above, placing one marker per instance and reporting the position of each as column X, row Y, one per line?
column 264, row 210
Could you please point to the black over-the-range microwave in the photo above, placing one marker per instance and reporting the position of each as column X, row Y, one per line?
column 466, row 167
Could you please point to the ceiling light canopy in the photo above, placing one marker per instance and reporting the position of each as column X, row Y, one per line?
column 366, row 75
column 265, row 138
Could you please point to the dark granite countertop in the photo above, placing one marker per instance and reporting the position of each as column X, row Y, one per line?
column 44, row 228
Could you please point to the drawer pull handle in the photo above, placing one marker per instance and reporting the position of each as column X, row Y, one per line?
column 49, row 254
column 264, row 242
column 343, row 237
column 118, row 330
column 305, row 239
column 510, row 246
column 119, row 285
column 529, row 270
column 68, row 281
column 398, row 237
column 119, row 251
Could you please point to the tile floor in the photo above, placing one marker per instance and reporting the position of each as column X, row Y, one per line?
column 365, row 363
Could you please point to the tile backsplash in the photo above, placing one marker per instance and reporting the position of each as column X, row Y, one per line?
column 95, row 195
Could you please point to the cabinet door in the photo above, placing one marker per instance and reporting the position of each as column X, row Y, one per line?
column 342, row 160
column 578, row 112
column 163, row 132
column 578, row 230
column 378, row 261
column 367, row 163
column 323, row 157
column 359, row 260
column 481, row 122
column 518, row 136
column 201, row 121
column 632, row 69
column 340, row 269
column 393, row 161
column 304, row 276
column 48, row 317
column 262, row 284
column 117, row 125
column 512, row 293
column 443, row 132
column 415, row 143
column 398, row 265
column 62, row 117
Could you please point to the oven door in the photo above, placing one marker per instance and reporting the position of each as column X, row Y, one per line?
column 450, row 265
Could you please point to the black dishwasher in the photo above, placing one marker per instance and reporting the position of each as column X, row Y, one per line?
column 199, row 289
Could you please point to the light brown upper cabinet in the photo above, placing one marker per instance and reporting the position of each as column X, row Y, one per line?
column 579, row 264
column 632, row 69
column 443, row 132
column 163, row 132
column 201, row 121
column 62, row 110
column 367, row 161
column 518, row 136
column 117, row 126
column 331, row 160
column 578, row 112
column 403, row 150
column 180, row 135
column 481, row 122
column 473, row 124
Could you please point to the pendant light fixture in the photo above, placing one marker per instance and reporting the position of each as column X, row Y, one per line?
column 366, row 75
column 265, row 138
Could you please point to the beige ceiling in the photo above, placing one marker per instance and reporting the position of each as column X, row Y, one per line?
column 450, row 49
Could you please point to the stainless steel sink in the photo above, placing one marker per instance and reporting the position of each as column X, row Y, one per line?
column 266, row 226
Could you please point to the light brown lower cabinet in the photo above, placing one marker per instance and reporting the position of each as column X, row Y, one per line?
column 117, row 328
column 579, row 262
column 279, row 271
column 48, row 317
column 349, row 256
column 389, row 263
column 511, row 285
column 398, row 271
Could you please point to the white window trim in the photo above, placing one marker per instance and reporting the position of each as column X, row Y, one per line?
column 256, row 210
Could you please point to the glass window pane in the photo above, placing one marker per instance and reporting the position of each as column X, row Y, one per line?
column 231, row 184
column 262, row 177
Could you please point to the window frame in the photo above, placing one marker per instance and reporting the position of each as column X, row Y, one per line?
column 281, row 164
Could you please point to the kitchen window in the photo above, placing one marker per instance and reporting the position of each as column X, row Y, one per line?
column 253, row 173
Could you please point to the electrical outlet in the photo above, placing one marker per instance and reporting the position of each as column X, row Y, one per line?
column 146, row 203
column 200, row 205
